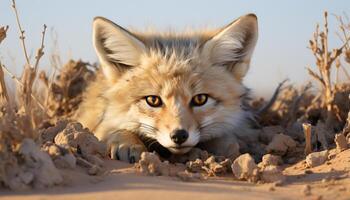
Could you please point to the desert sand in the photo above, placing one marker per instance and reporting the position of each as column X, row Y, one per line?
column 122, row 181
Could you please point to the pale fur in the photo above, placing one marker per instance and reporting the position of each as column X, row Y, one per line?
column 175, row 67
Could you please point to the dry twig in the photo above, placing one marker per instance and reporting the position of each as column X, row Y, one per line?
column 3, row 31
column 28, row 77
column 12, row 76
column 307, row 134
column 21, row 32
column 4, row 97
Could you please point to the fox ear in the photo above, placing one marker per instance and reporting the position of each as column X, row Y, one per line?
column 233, row 45
column 117, row 48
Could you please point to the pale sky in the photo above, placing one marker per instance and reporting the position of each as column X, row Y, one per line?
column 284, row 29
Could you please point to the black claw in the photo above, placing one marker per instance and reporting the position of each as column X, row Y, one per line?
column 132, row 159
column 117, row 156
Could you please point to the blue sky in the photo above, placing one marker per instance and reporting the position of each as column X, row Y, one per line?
column 284, row 29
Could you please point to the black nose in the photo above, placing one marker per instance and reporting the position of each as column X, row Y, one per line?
column 179, row 136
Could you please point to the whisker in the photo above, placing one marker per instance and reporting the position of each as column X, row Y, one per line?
column 207, row 129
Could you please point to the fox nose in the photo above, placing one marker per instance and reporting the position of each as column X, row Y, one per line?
column 179, row 136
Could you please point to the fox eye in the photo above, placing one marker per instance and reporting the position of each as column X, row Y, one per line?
column 154, row 101
column 199, row 100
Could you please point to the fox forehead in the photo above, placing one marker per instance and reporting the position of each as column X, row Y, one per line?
column 179, row 76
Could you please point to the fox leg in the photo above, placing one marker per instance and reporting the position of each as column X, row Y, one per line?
column 226, row 146
column 125, row 146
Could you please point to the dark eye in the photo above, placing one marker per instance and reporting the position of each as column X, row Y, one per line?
column 154, row 101
column 199, row 100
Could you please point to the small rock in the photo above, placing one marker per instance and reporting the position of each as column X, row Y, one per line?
column 81, row 141
column 244, row 168
column 195, row 166
column 211, row 159
column 150, row 164
column 39, row 164
column 316, row 158
column 165, row 168
column 52, row 149
column 217, row 168
column 94, row 170
column 272, row 174
column 341, row 142
column 67, row 161
column 281, row 144
column 75, row 136
column 269, row 159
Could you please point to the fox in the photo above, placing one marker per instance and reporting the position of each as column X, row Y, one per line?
column 173, row 90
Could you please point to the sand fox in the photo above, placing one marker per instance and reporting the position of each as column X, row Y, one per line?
column 173, row 90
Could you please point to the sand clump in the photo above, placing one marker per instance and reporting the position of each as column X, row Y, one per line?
column 49, row 131
column 45, row 174
column 31, row 167
column 269, row 159
column 195, row 166
column 81, row 141
column 201, row 161
column 73, row 145
column 281, row 144
column 244, row 168
column 62, row 157
column 268, row 171
column 316, row 158
column 150, row 164
column 272, row 174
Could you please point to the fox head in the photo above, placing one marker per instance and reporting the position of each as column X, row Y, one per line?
column 179, row 89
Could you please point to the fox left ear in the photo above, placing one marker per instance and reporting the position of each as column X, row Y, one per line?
column 117, row 49
column 233, row 45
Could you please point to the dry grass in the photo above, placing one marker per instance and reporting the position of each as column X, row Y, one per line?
column 325, row 60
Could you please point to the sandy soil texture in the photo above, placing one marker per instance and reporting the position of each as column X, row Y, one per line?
column 121, row 181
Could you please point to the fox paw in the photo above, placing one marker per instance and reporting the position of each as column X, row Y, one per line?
column 126, row 147
column 127, row 152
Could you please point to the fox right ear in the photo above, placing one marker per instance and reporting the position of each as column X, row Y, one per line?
column 116, row 48
column 233, row 45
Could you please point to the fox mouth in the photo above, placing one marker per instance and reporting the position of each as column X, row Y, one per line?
column 179, row 149
column 164, row 151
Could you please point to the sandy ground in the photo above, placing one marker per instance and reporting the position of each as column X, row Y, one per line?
column 328, row 181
